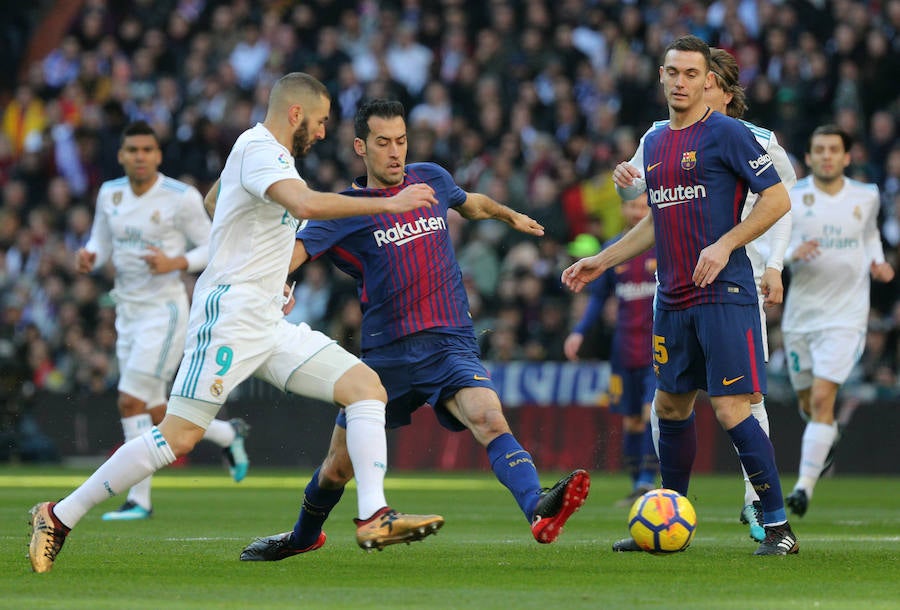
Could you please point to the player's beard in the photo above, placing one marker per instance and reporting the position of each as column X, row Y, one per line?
column 302, row 142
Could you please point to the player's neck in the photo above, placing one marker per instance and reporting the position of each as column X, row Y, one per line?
column 139, row 188
column 679, row 119
column 832, row 187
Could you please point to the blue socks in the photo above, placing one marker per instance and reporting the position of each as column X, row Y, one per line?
column 632, row 454
column 677, row 450
column 514, row 468
column 317, row 504
column 758, row 457
column 649, row 466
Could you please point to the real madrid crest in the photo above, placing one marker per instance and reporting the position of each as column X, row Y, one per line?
column 155, row 217
column 117, row 198
column 217, row 388
column 857, row 213
column 808, row 199
column 688, row 159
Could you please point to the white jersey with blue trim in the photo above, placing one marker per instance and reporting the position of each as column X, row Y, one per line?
column 832, row 289
column 169, row 216
column 252, row 236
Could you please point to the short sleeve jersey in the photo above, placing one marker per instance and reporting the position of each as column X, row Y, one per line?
column 406, row 271
column 252, row 236
column 169, row 216
column 697, row 182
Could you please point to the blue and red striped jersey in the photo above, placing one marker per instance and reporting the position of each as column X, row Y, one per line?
column 697, row 182
column 406, row 271
column 634, row 285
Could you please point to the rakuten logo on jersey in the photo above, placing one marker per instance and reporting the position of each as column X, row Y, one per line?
column 664, row 197
column 406, row 232
column 760, row 164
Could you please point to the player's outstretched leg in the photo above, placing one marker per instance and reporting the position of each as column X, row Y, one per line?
column 277, row 547
column 236, row 453
column 387, row 527
column 48, row 535
column 557, row 504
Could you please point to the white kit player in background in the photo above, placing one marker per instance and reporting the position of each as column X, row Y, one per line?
column 144, row 223
column 835, row 247
column 766, row 253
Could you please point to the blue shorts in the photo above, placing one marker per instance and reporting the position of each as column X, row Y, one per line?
column 714, row 347
column 425, row 368
column 631, row 389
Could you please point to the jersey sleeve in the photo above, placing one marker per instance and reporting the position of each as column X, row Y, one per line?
column 638, row 186
column 782, row 162
column 318, row 236
column 456, row 196
column 746, row 157
column 196, row 226
column 871, row 235
column 263, row 165
column 100, row 241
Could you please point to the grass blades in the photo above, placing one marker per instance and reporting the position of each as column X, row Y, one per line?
column 186, row 556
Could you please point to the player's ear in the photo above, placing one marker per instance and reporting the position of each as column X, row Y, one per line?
column 359, row 146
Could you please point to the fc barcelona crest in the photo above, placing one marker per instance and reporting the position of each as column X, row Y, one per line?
column 117, row 198
column 688, row 159
column 808, row 199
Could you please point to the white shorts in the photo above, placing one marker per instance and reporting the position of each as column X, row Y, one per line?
column 827, row 354
column 234, row 333
column 151, row 390
column 151, row 338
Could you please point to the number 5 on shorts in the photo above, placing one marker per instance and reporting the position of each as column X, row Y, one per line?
column 660, row 353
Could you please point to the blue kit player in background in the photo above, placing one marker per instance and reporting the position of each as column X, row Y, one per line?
column 416, row 331
column 706, row 328
column 633, row 382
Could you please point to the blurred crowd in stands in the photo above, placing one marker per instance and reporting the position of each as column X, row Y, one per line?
column 530, row 101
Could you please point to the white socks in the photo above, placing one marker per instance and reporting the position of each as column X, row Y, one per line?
column 135, row 460
column 367, row 446
column 817, row 441
column 133, row 427
column 758, row 411
column 220, row 432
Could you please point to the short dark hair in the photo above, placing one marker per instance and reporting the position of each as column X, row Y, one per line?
column 385, row 109
column 831, row 130
column 139, row 128
column 689, row 43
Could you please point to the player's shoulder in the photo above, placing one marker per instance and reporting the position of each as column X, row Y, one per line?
column 763, row 136
column 803, row 184
column 863, row 187
column 171, row 185
column 424, row 170
column 720, row 121
column 114, row 184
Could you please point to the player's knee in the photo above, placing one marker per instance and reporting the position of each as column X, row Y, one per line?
column 488, row 424
column 180, row 434
column 359, row 383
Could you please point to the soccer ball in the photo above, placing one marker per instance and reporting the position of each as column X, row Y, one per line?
column 662, row 521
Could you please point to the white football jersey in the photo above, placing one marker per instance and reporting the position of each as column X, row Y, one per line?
column 832, row 290
column 169, row 216
column 768, row 249
column 252, row 236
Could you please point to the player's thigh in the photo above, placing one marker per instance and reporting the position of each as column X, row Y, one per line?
column 148, row 389
column 799, row 360
column 152, row 337
column 678, row 359
column 835, row 351
column 306, row 362
column 731, row 339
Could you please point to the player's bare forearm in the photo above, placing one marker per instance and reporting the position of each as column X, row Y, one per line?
column 773, row 203
column 639, row 239
column 304, row 203
column 479, row 206
column 209, row 202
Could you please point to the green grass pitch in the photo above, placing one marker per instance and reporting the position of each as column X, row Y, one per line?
column 186, row 556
